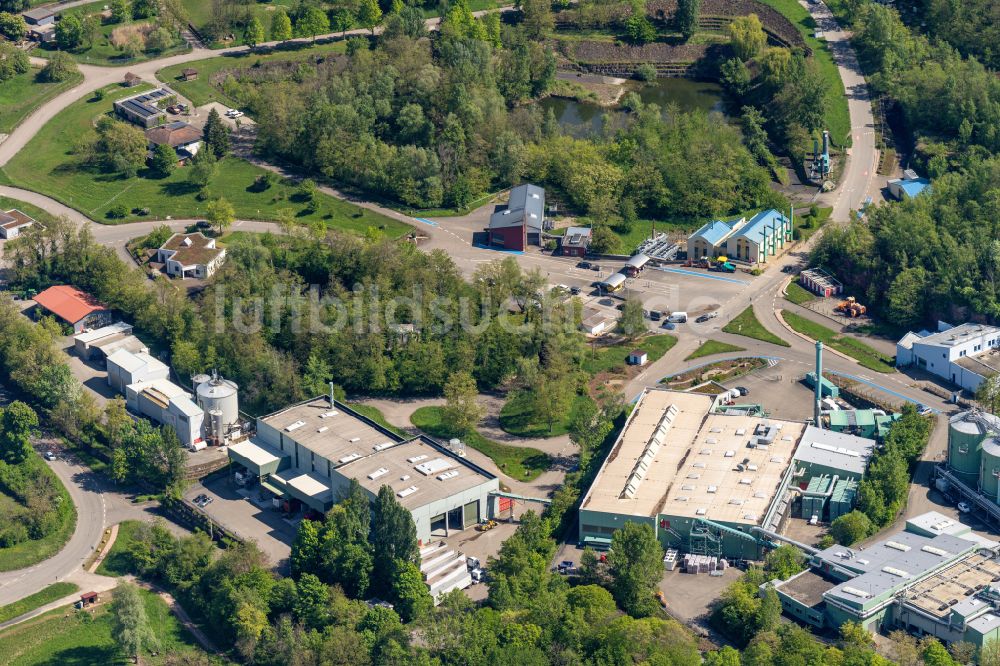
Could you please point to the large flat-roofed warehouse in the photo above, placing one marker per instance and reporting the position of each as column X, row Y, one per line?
column 935, row 578
column 702, row 480
column 308, row 453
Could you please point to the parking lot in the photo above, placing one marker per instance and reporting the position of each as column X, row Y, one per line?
column 232, row 510
column 779, row 390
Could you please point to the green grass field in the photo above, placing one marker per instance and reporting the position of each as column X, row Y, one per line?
column 117, row 562
column 859, row 351
column 516, row 417
column 798, row 294
column 44, row 596
column 48, row 165
column 101, row 51
column 22, row 94
column 34, row 551
column 710, row 347
column 376, row 415
column 200, row 15
column 747, row 324
column 69, row 637
column 612, row 359
column 521, row 463
column 201, row 91
column 838, row 117
column 806, row 226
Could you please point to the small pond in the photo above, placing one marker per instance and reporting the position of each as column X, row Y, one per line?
column 583, row 118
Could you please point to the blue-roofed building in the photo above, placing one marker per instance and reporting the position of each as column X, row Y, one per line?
column 710, row 240
column 762, row 237
column 754, row 240
column 908, row 187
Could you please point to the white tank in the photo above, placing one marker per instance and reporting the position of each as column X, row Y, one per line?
column 198, row 380
column 218, row 430
column 222, row 395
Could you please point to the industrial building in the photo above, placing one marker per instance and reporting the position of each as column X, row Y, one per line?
column 219, row 398
column 126, row 368
column 935, row 578
column 754, row 241
column 520, row 223
column 909, row 186
column 79, row 310
column 974, row 451
column 307, row 454
column 167, row 404
column 835, row 454
column 963, row 354
column 707, row 482
column 87, row 344
column 870, row 423
column 820, row 282
column 575, row 242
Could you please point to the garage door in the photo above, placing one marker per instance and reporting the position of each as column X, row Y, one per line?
column 471, row 513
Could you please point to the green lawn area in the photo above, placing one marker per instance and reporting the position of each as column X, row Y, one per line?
column 798, row 294
column 22, row 94
column 49, row 165
column 515, row 417
column 69, row 637
column 608, row 359
column 838, row 118
column 44, row 596
column 200, row 15
column 746, row 323
column 34, row 551
column 117, row 562
column 859, row 351
column 807, row 225
column 102, row 51
column 710, row 347
column 200, row 91
column 518, row 462
column 376, row 415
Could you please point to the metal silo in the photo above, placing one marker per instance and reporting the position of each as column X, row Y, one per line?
column 219, row 395
column 198, row 380
column 966, row 432
column 990, row 467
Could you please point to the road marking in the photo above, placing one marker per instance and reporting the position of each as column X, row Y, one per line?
column 426, row 221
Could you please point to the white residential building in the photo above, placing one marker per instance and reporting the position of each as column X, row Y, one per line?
column 190, row 255
column 963, row 355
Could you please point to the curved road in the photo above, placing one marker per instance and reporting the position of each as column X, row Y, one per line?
column 85, row 490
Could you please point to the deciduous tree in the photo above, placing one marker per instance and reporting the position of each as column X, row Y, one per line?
column 69, row 32
column 394, row 537
column 686, row 18
column 220, row 214
column 369, row 14
column 462, row 410
column 254, row 33
column 313, row 21
column 13, row 26
column 131, row 624
column 632, row 322
column 17, row 423
column 635, row 564
column 281, row 25
column 164, row 160
column 746, row 34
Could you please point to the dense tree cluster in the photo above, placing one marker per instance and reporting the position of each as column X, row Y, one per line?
column 929, row 258
column 13, row 61
column 882, row 493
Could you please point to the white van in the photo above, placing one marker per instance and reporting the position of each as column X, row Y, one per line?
column 678, row 317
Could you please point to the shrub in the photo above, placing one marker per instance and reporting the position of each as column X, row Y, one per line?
column 117, row 212
column 645, row 72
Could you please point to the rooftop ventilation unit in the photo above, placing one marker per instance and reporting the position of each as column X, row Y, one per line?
column 741, row 431
column 777, row 459
column 404, row 477
column 381, row 471
column 861, row 594
column 348, row 458
column 352, row 440
column 682, row 499
column 433, row 466
column 896, row 572
column 416, row 459
column 451, row 474
column 699, row 465
column 383, row 446
column 750, row 516
column 716, row 429
column 294, row 426
column 744, row 482
column 895, row 545
column 326, row 415
column 694, row 475
column 322, row 429
column 687, row 486
column 406, row 492
column 736, row 502
column 730, row 454
column 713, row 489
column 934, row 551
column 700, row 512
column 711, row 440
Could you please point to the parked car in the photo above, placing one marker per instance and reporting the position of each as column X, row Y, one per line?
column 923, row 410
column 669, row 325
column 707, row 316
column 743, row 390
column 50, row 456
column 574, row 290
column 595, row 267
column 678, row 317
column 655, row 315
column 478, row 576
column 964, row 507
column 234, row 113
column 203, row 224
column 584, row 265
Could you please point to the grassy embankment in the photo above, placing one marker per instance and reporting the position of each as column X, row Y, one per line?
column 518, row 462
column 49, row 165
column 747, row 324
column 711, row 347
column 859, row 351
column 33, row 551
column 798, row 294
column 44, row 596
column 22, row 94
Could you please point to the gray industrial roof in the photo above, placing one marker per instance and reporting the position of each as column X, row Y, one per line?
column 526, row 205
column 904, row 553
column 835, row 449
column 958, row 334
column 975, row 422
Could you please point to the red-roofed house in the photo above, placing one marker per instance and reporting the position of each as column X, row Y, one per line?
column 74, row 307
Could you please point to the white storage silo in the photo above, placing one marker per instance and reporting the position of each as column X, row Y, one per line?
column 219, row 395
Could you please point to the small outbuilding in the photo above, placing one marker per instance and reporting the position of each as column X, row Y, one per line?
column 575, row 242
column 820, row 282
column 189, row 74
column 89, row 598
column 908, row 187
column 130, row 80
column 596, row 324
column 40, row 15
column 80, row 310
column 637, row 357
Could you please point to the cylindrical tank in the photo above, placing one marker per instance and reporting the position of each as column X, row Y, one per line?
column 990, row 469
column 966, row 432
column 223, row 395
column 218, row 431
column 198, row 380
